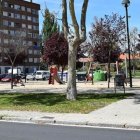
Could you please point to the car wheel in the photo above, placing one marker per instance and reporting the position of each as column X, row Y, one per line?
column 44, row 78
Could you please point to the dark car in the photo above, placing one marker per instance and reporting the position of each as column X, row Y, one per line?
column 2, row 76
column 8, row 78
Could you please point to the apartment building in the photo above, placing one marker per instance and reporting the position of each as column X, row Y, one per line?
column 17, row 15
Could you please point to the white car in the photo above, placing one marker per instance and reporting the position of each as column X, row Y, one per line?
column 30, row 76
column 42, row 75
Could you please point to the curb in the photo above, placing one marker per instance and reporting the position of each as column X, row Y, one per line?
column 54, row 121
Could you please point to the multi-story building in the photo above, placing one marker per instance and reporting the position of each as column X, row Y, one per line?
column 21, row 14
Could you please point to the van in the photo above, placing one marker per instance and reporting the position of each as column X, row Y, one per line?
column 42, row 75
column 15, row 71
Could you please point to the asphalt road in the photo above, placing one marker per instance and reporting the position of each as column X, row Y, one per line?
column 18, row 131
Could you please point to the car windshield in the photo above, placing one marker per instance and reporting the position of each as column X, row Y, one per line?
column 38, row 73
column 9, row 76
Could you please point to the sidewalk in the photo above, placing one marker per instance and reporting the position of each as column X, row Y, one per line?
column 122, row 114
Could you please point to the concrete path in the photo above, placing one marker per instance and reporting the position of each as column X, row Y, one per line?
column 122, row 114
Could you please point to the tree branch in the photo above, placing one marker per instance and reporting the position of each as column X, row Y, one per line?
column 64, row 18
column 74, row 20
column 83, row 19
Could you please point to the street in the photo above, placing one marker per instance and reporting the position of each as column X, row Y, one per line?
column 19, row 131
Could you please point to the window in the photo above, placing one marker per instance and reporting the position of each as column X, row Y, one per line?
column 6, row 41
column 34, row 11
column 30, row 59
column 5, row 31
column 17, row 16
column 10, row 5
column 17, row 25
column 17, row 7
column 30, row 43
column 35, row 35
column 11, row 24
column 5, row 22
column 29, row 18
column 35, row 27
column 30, row 51
column 29, row 26
column 24, row 43
column 11, row 32
column 23, row 25
column 11, row 15
column 23, row 17
column 5, row 13
column 35, row 52
column 35, row 60
column 5, row 4
column 30, row 35
column 35, row 19
column 23, row 8
column 29, row 10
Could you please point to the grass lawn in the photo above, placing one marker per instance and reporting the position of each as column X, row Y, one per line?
column 57, row 102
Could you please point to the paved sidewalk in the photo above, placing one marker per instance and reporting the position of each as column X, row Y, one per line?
column 122, row 114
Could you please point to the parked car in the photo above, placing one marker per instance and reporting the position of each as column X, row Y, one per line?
column 42, row 75
column 2, row 76
column 8, row 78
column 30, row 76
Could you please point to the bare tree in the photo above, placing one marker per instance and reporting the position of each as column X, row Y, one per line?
column 13, row 46
column 133, row 43
column 75, row 34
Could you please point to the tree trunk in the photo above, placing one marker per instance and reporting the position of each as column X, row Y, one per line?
column 12, row 77
column 71, row 85
column 108, row 75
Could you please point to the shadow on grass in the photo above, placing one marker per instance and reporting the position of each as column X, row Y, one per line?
column 52, row 99
column 108, row 96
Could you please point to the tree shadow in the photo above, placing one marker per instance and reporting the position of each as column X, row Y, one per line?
column 39, row 99
column 137, row 99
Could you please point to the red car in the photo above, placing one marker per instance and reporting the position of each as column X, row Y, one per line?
column 8, row 78
column 2, row 76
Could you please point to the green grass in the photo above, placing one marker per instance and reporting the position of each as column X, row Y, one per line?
column 57, row 102
column 137, row 73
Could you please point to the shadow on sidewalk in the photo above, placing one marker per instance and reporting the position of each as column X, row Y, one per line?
column 137, row 99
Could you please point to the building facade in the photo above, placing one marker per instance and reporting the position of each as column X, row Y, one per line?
column 21, row 15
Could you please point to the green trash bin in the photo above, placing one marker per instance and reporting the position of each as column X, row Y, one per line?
column 99, row 75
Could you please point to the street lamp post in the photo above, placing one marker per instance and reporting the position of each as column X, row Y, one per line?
column 126, row 4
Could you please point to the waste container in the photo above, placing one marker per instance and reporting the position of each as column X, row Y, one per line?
column 99, row 75
column 119, row 80
column 81, row 76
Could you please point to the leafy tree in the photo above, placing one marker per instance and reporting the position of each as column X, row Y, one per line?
column 56, row 50
column 107, row 35
column 50, row 26
column 76, row 34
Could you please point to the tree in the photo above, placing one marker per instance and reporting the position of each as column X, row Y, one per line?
column 107, row 35
column 76, row 34
column 0, row 13
column 50, row 26
column 14, row 49
column 56, row 50
column 133, row 43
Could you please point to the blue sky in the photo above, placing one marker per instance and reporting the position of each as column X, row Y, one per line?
column 96, row 8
